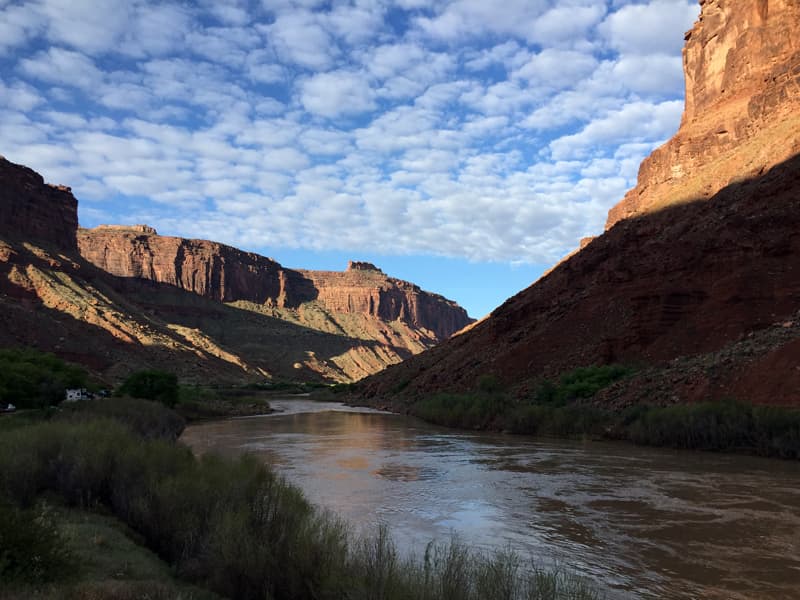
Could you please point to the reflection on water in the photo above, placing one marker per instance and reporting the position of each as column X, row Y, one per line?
column 648, row 523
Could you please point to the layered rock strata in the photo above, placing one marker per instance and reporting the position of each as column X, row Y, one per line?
column 742, row 115
column 227, row 274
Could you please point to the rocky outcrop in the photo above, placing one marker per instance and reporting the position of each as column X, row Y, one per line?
column 742, row 115
column 33, row 210
column 364, row 289
column 227, row 274
column 699, row 260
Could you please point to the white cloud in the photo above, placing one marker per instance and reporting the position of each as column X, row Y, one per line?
column 18, row 23
column 19, row 96
column 58, row 65
column 459, row 128
column 566, row 24
column 557, row 69
column 634, row 121
column 468, row 18
column 649, row 28
column 299, row 38
column 337, row 93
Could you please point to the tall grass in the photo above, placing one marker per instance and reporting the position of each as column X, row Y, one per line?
column 236, row 527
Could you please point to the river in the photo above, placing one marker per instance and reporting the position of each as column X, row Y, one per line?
column 642, row 522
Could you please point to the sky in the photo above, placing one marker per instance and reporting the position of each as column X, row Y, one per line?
column 464, row 145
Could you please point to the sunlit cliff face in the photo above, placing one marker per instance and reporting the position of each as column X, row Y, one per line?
column 742, row 67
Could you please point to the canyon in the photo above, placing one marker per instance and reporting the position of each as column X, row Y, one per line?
column 696, row 279
column 119, row 298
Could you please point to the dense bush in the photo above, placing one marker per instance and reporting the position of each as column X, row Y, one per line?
column 32, row 379
column 581, row 383
column 770, row 431
column 152, row 385
column 238, row 528
column 476, row 410
column 151, row 420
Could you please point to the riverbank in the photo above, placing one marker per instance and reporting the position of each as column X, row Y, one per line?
column 568, row 408
column 228, row 525
column 623, row 514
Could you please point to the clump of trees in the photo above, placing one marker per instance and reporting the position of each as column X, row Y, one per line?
column 156, row 385
column 33, row 379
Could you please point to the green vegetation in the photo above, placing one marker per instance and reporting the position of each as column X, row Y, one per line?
column 197, row 402
column 560, row 409
column 765, row 430
column 551, row 410
column 32, row 550
column 148, row 419
column 582, row 383
column 233, row 525
column 33, row 379
column 152, row 385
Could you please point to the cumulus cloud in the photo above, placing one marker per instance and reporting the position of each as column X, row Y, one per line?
column 649, row 28
column 66, row 67
column 449, row 127
column 337, row 93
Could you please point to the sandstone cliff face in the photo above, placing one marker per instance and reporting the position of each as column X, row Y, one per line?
column 365, row 289
column 698, row 279
column 32, row 210
column 742, row 115
column 206, row 268
column 227, row 274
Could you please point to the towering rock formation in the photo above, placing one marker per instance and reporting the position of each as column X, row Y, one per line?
column 742, row 115
column 698, row 273
column 33, row 210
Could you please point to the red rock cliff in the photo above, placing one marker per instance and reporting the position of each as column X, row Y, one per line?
column 33, row 210
column 717, row 266
column 206, row 268
column 365, row 289
column 227, row 274
column 742, row 115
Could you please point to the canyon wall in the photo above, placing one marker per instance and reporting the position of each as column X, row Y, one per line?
column 227, row 274
column 33, row 210
column 742, row 114
column 700, row 264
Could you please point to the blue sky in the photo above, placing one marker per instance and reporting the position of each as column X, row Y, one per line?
column 464, row 145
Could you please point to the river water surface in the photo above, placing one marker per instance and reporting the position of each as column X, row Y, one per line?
column 644, row 523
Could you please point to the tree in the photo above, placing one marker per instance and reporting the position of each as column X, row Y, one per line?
column 152, row 385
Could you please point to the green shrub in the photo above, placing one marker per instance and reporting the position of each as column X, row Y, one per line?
column 721, row 425
column 581, row 383
column 33, row 379
column 149, row 419
column 152, row 385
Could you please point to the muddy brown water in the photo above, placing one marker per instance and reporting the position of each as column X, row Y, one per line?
column 642, row 522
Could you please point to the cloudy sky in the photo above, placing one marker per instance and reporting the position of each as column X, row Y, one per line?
column 465, row 145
